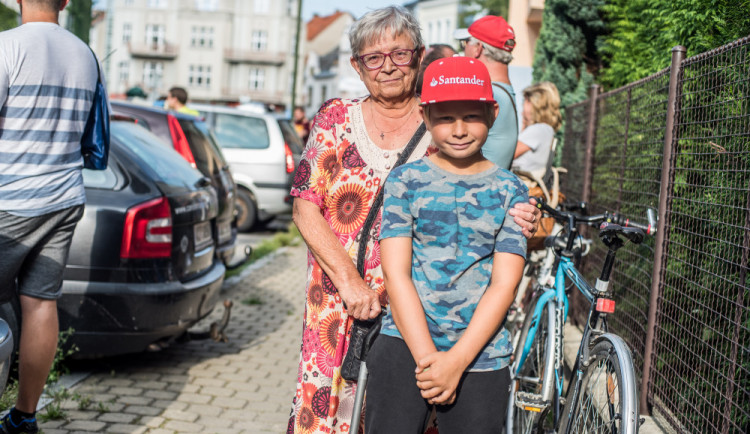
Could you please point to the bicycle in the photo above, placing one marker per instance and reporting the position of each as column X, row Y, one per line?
column 602, row 392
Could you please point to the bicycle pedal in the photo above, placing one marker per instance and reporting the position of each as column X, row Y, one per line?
column 531, row 402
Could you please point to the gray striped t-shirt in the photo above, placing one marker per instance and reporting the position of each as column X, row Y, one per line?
column 47, row 82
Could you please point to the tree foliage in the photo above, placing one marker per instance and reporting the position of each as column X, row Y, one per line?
column 470, row 8
column 643, row 32
column 79, row 18
column 567, row 49
column 8, row 18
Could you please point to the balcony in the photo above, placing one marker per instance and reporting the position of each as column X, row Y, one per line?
column 254, row 57
column 154, row 51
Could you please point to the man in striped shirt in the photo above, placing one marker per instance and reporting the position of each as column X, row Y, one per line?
column 47, row 82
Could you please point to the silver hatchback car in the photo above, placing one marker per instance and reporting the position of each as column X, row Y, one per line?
column 262, row 150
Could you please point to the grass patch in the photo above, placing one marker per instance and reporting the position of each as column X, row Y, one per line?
column 252, row 301
column 290, row 237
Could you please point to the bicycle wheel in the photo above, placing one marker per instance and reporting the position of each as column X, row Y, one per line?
column 607, row 401
column 533, row 383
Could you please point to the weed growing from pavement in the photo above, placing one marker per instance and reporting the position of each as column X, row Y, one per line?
column 252, row 301
column 281, row 239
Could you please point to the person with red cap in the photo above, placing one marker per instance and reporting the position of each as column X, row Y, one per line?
column 451, row 258
column 491, row 40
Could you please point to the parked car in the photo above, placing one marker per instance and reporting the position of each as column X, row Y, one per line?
column 191, row 138
column 263, row 150
column 142, row 267
column 6, row 353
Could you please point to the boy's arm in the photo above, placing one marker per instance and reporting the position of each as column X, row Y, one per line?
column 439, row 383
column 405, row 305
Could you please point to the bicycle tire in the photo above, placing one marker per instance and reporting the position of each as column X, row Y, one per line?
column 608, row 397
column 538, row 364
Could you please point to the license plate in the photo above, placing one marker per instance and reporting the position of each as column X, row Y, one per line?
column 225, row 231
column 202, row 234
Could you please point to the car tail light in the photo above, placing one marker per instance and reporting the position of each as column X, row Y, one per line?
column 289, row 158
column 179, row 140
column 148, row 231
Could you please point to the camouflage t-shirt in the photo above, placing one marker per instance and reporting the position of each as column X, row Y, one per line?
column 457, row 223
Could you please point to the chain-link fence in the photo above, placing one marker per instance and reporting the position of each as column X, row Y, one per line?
column 678, row 142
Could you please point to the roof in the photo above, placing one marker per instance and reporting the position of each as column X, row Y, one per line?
column 317, row 24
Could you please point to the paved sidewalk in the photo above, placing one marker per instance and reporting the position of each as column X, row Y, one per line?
column 243, row 386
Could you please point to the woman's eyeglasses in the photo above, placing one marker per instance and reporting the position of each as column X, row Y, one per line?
column 377, row 60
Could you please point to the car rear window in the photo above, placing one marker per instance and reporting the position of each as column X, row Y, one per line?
column 166, row 164
column 291, row 137
column 205, row 156
column 241, row 132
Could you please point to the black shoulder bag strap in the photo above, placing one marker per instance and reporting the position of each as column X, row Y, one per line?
column 363, row 333
column 376, row 204
column 512, row 101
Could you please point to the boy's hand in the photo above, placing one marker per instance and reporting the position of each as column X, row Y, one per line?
column 438, row 375
column 527, row 215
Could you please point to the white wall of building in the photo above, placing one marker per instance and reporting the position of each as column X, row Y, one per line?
column 218, row 50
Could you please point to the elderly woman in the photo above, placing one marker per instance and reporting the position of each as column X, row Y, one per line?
column 541, row 119
column 353, row 145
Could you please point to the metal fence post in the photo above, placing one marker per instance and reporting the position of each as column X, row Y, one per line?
column 667, row 178
column 588, row 165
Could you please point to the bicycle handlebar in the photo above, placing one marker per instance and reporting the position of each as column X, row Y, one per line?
column 616, row 218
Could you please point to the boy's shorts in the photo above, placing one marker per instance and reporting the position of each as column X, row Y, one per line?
column 34, row 250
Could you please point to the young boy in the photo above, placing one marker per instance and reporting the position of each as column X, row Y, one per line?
column 451, row 258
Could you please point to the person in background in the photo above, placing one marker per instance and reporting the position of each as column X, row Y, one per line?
column 177, row 97
column 436, row 51
column 301, row 123
column 354, row 144
column 452, row 258
column 541, row 120
column 491, row 40
column 47, row 79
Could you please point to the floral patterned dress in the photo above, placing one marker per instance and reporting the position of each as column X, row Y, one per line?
column 341, row 171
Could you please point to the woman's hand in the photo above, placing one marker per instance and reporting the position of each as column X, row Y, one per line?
column 527, row 215
column 438, row 375
column 360, row 301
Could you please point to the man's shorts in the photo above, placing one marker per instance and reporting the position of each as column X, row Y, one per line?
column 34, row 251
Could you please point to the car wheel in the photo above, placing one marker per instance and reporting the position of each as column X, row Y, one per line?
column 9, row 312
column 247, row 210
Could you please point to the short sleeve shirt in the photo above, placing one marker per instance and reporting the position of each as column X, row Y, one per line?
column 538, row 138
column 457, row 223
column 503, row 136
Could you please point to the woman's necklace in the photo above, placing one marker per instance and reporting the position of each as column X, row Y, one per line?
column 383, row 133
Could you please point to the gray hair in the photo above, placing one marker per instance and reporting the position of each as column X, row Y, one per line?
column 374, row 24
column 494, row 53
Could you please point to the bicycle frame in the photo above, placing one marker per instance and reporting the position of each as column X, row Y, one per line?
column 566, row 267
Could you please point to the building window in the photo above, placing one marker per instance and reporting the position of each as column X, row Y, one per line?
column 124, row 71
column 207, row 5
column 257, row 78
column 259, row 40
column 152, row 74
column 155, row 35
column 156, row 4
column 324, row 93
column 261, row 6
column 127, row 32
column 199, row 75
column 202, row 37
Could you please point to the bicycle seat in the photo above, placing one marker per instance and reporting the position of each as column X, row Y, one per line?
column 634, row 235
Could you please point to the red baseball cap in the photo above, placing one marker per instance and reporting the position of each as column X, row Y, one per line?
column 456, row 79
column 491, row 30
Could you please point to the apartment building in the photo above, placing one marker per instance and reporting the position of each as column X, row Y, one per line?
column 219, row 50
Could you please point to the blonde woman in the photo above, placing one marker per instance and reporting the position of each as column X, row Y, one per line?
column 541, row 119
